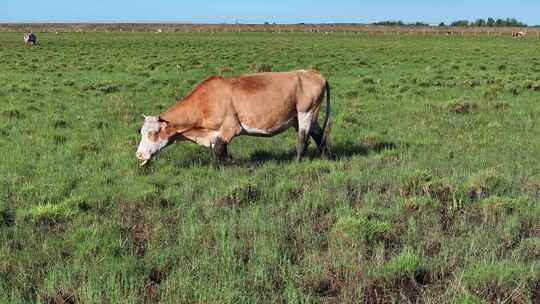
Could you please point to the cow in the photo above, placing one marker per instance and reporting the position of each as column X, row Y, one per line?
column 262, row 104
column 519, row 34
column 30, row 39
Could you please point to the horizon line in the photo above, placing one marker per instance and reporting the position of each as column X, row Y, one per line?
column 252, row 20
column 172, row 22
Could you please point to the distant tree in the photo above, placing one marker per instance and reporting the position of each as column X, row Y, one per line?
column 460, row 23
column 490, row 22
column 480, row 22
column 399, row 23
column 514, row 22
column 499, row 22
column 442, row 24
column 390, row 23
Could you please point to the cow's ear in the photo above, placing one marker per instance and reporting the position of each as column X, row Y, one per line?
column 169, row 129
column 166, row 129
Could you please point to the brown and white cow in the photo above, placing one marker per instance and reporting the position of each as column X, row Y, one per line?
column 221, row 108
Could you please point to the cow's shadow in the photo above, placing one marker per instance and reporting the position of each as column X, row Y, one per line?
column 337, row 151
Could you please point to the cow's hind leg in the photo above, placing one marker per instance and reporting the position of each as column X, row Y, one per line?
column 317, row 134
column 305, row 121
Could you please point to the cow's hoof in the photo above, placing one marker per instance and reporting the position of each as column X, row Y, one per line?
column 229, row 161
column 225, row 161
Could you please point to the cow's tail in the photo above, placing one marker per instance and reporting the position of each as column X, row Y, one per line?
column 327, row 125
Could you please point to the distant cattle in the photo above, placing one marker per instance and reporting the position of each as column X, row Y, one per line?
column 30, row 39
column 221, row 108
column 519, row 34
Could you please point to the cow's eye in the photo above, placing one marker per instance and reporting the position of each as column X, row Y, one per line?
column 153, row 136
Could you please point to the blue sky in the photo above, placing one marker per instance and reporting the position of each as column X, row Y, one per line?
column 281, row 11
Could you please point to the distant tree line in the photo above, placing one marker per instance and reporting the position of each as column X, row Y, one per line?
column 508, row 22
column 399, row 23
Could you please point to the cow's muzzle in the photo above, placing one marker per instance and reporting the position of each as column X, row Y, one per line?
column 143, row 159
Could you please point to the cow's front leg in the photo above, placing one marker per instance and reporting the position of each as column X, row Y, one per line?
column 221, row 151
column 230, row 128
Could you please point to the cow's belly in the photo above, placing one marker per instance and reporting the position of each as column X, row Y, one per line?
column 202, row 137
column 276, row 128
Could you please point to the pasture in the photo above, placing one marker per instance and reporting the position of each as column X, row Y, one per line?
column 430, row 194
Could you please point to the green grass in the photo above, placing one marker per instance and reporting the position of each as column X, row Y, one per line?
column 430, row 194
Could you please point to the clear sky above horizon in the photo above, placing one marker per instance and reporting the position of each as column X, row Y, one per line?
column 280, row 11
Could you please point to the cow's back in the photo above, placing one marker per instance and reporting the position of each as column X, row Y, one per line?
column 265, row 100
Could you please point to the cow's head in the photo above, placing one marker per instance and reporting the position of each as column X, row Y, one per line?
column 155, row 135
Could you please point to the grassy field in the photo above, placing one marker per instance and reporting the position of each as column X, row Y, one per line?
column 431, row 193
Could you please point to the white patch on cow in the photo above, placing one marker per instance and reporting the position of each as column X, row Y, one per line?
column 147, row 147
column 272, row 131
column 250, row 130
column 305, row 119
column 208, row 141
